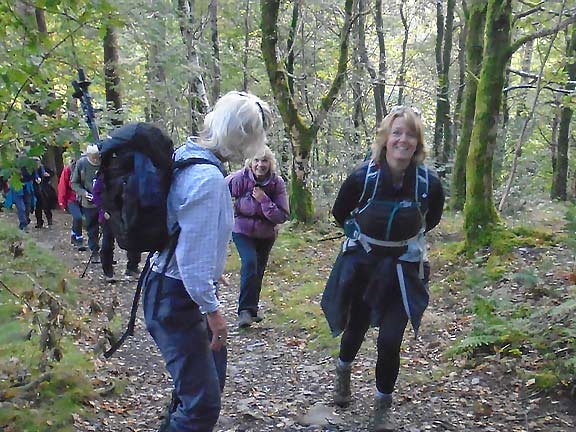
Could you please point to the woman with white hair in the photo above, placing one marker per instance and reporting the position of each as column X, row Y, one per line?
column 181, row 306
column 261, row 204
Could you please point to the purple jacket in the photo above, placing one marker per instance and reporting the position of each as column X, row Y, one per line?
column 253, row 218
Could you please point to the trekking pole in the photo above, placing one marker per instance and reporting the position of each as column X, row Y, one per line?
column 83, row 95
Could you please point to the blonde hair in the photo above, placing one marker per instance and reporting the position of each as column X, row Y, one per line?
column 266, row 153
column 414, row 123
column 236, row 127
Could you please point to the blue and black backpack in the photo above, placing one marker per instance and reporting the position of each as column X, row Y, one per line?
column 388, row 223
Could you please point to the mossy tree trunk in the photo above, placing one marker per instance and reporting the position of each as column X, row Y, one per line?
column 480, row 216
column 443, row 127
column 301, row 134
column 112, row 77
column 560, row 174
column 475, row 23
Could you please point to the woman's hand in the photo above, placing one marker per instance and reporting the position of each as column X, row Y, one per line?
column 258, row 194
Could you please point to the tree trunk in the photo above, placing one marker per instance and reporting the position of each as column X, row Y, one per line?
column 290, row 59
column 246, row 45
column 377, row 86
column 461, row 83
column 156, row 75
column 112, row 77
column 380, row 88
column 480, row 216
column 216, row 78
column 196, row 91
column 402, row 70
column 475, row 23
column 52, row 158
column 560, row 174
column 443, row 128
column 301, row 135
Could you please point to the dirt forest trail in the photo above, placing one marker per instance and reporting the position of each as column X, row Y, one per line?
column 276, row 382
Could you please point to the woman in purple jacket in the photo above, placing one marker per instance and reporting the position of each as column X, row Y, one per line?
column 261, row 204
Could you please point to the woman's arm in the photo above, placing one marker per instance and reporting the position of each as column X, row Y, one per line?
column 435, row 202
column 349, row 195
column 276, row 209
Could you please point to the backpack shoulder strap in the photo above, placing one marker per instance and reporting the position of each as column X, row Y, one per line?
column 421, row 187
column 370, row 184
column 183, row 163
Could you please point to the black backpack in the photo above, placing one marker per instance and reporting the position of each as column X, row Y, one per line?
column 136, row 169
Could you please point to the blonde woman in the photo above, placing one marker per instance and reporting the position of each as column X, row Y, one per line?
column 260, row 206
column 380, row 277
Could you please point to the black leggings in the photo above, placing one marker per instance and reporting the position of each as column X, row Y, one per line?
column 389, row 342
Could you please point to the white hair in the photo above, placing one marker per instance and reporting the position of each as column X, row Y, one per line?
column 236, row 127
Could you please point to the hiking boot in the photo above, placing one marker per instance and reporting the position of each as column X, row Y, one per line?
column 109, row 276
column 383, row 418
column 342, row 392
column 244, row 319
column 170, row 409
column 95, row 257
column 131, row 273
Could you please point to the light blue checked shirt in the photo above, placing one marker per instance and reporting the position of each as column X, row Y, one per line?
column 199, row 201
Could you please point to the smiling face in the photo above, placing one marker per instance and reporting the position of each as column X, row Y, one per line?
column 401, row 143
column 260, row 167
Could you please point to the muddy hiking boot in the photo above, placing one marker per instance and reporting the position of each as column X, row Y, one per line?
column 170, row 409
column 342, row 392
column 383, row 417
column 244, row 319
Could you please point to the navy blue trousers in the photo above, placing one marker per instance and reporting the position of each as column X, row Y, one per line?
column 92, row 227
column 182, row 335
column 254, row 255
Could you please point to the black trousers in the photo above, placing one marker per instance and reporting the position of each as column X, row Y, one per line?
column 390, row 335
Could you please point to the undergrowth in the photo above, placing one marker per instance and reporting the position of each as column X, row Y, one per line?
column 43, row 374
column 522, row 310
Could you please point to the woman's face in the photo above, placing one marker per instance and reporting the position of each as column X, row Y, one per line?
column 402, row 142
column 260, row 167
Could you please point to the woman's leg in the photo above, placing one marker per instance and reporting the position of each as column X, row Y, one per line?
column 263, row 248
column 107, row 251
column 389, row 342
column 248, row 300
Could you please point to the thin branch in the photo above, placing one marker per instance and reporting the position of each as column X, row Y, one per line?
column 541, row 33
column 536, row 8
column 530, row 86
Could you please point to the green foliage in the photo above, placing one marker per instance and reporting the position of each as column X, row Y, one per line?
column 48, row 375
column 492, row 331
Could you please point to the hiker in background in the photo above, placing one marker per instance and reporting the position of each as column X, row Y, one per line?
column 107, row 249
column 83, row 178
column 260, row 206
column 44, row 193
column 23, row 198
column 67, row 201
column 380, row 277
column 181, row 306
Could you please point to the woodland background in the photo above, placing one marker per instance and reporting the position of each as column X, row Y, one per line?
column 495, row 81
